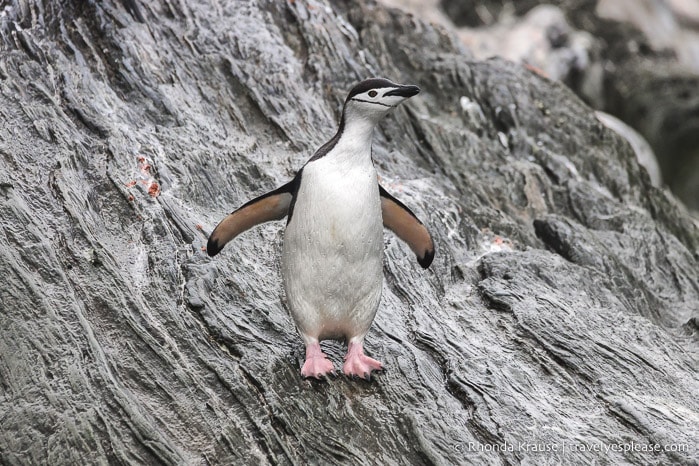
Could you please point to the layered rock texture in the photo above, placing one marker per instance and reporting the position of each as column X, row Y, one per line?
column 635, row 59
column 561, row 311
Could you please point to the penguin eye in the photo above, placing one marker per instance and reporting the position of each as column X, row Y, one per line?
column 372, row 93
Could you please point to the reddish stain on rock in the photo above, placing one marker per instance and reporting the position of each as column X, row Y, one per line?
column 154, row 189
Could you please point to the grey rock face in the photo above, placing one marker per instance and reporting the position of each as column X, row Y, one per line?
column 635, row 59
column 561, row 310
column 644, row 153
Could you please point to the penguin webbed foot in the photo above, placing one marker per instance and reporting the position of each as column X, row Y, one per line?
column 318, row 373
column 357, row 364
column 317, row 365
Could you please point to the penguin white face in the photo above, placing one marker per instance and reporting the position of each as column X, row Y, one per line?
column 373, row 98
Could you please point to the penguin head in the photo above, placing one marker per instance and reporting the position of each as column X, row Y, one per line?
column 373, row 98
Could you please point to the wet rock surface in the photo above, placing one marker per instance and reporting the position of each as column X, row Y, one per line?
column 635, row 59
column 562, row 307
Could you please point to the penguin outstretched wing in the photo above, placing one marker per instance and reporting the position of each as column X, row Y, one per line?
column 403, row 222
column 274, row 205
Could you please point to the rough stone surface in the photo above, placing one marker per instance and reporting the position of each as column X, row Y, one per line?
column 561, row 309
column 635, row 59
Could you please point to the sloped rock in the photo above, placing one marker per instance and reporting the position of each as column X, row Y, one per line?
column 561, row 309
column 637, row 60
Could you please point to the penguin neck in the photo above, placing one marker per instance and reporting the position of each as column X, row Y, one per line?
column 354, row 138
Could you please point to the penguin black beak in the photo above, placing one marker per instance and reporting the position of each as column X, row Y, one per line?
column 403, row 91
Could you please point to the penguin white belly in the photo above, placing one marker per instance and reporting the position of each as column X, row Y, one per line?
column 332, row 254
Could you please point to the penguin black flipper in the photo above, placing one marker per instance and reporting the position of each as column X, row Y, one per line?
column 275, row 205
column 403, row 222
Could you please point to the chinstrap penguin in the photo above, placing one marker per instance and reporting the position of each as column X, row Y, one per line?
column 333, row 243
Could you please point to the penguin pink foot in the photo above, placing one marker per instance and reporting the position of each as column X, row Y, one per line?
column 317, row 365
column 358, row 364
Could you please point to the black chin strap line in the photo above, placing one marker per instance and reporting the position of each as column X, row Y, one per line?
column 369, row 102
